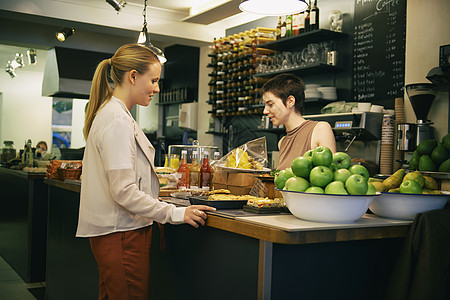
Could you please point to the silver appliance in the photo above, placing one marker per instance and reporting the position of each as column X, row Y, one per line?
column 409, row 135
column 358, row 134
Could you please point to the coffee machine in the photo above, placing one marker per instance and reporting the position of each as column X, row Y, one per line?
column 409, row 135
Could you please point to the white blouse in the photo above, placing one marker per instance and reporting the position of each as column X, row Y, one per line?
column 119, row 189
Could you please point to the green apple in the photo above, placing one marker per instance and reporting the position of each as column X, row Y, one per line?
column 333, row 167
column 282, row 176
column 308, row 153
column 322, row 156
column 296, row 184
column 301, row 166
column 341, row 175
column 360, row 170
column 336, row 188
column 315, row 190
column 371, row 190
column 410, row 187
column 356, row 185
column 342, row 160
column 320, row 176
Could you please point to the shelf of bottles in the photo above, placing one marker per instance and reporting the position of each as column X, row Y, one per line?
column 234, row 88
column 301, row 46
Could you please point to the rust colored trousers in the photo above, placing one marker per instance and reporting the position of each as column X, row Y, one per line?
column 123, row 260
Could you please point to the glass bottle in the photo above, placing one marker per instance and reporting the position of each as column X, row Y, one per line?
column 205, row 173
column 278, row 32
column 314, row 17
column 183, row 169
column 288, row 25
column 283, row 28
column 28, row 153
column 307, row 17
column 194, row 172
column 301, row 25
column 295, row 24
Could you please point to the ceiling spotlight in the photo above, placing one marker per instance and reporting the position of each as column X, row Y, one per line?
column 273, row 8
column 144, row 38
column 18, row 61
column 117, row 4
column 64, row 34
column 32, row 56
column 10, row 69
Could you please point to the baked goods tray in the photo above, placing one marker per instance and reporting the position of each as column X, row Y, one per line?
column 219, row 204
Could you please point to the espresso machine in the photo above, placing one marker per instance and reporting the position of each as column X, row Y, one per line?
column 409, row 135
column 358, row 134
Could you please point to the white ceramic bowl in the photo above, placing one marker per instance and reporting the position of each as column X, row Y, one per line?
column 364, row 106
column 406, row 206
column 327, row 208
column 377, row 108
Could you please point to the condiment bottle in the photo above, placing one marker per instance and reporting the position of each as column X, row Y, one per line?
column 183, row 170
column 214, row 168
column 205, row 173
column 194, row 172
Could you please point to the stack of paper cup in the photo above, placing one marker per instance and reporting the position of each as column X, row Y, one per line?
column 399, row 118
column 400, row 110
column 387, row 145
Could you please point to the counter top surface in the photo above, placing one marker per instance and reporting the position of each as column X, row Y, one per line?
column 22, row 174
column 291, row 223
column 285, row 228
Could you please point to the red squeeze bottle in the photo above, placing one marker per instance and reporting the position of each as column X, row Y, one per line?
column 183, row 169
column 205, row 173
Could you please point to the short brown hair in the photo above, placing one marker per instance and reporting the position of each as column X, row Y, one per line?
column 285, row 85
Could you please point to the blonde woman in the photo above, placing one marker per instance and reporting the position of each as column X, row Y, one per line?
column 119, row 192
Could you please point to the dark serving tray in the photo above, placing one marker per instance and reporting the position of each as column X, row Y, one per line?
column 219, row 204
column 262, row 210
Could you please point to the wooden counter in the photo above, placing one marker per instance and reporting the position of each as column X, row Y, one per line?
column 239, row 257
column 23, row 223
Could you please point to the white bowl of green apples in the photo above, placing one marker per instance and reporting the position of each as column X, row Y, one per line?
column 324, row 187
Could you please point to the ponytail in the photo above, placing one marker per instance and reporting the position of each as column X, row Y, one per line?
column 128, row 57
column 100, row 92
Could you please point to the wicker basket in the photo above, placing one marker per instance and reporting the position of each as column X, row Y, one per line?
column 73, row 174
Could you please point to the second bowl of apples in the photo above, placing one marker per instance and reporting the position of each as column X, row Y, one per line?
column 327, row 208
column 406, row 206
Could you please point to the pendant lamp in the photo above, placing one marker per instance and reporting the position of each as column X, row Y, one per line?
column 144, row 38
column 273, row 7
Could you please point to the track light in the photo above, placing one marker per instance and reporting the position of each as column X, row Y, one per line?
column 18, row 61
column 144, row 38
column 10, row 69
column 273, row 8
column 117, row 4
column 32, row 56
column 64, row 34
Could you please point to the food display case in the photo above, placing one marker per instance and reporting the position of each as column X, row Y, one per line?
column 174, row 153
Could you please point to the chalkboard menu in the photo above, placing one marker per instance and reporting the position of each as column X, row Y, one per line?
column 378, row 50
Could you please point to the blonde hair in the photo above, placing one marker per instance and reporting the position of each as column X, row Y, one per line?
column 128, row 57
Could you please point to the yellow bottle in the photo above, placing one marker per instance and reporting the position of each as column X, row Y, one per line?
column 194, row 172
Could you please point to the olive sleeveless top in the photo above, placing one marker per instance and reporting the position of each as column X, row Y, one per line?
column 296, row 143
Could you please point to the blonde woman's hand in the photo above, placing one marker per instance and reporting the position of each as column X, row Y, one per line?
column 195, row 214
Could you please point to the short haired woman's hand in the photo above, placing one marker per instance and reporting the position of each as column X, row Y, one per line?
column 195, row 214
